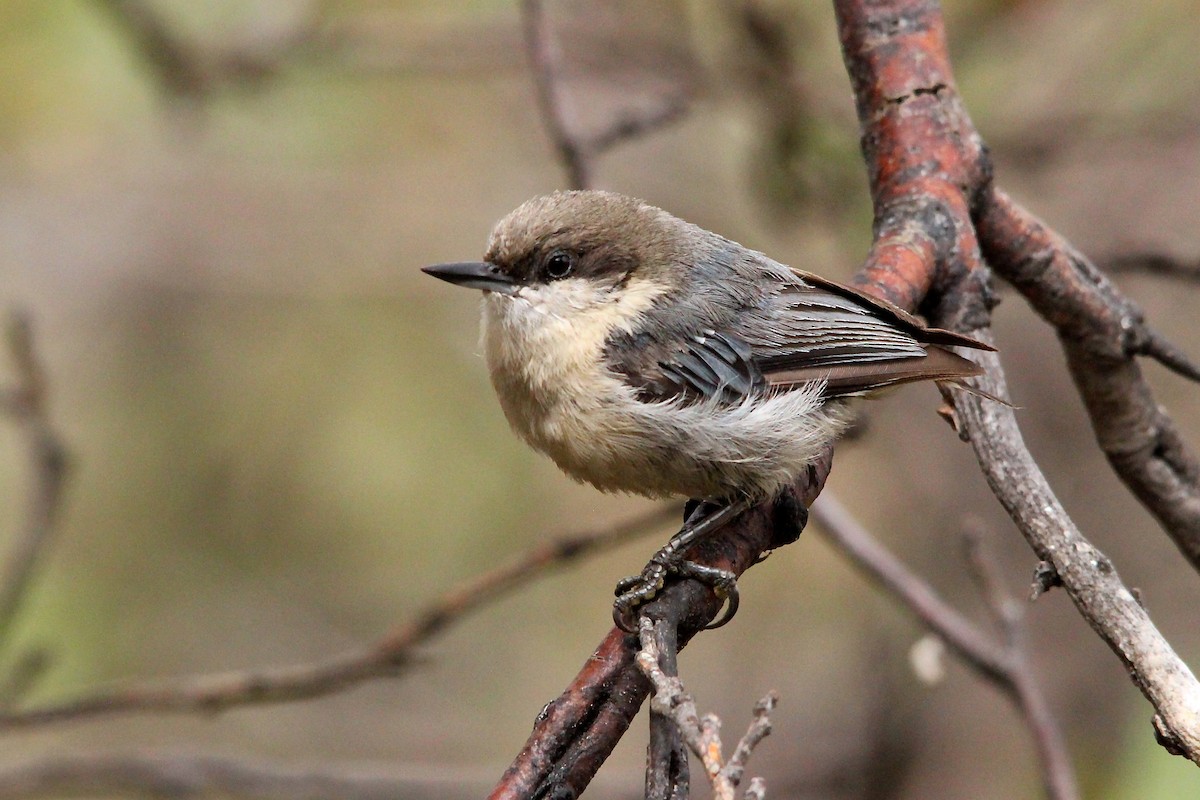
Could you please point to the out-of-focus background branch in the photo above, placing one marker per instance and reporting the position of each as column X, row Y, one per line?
column 282, row 436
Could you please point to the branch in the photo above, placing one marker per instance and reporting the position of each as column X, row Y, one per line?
column 1153, row 263
column 26, row 404
column 577, row 151
column 667, row 771
column 220, row 691
column 702, row 734
column 202, row 775
column 928, row 171
column 1004, row 666
column 1102, row 332
column 544, row 60
column 190, row 74
column 1088, row 576
column 578, row 730
column 852, row 540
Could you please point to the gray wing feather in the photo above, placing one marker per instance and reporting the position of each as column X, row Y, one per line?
column 714, row 365
column 748, row 325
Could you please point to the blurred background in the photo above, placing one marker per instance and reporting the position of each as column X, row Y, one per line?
column 282, row 435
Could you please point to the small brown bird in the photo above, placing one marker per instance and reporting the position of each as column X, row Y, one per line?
column 645, row 354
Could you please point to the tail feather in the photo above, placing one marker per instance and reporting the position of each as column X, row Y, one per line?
column 938, row 364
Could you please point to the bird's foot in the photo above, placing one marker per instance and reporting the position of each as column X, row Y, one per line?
column 637, row 590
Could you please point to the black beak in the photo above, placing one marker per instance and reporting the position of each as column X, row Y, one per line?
column 474, row 275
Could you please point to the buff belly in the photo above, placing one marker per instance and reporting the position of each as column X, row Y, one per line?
column 561, row 399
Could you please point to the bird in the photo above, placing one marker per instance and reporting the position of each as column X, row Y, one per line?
column 647, row 355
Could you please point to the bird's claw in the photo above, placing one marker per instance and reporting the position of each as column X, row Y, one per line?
column 637, row 590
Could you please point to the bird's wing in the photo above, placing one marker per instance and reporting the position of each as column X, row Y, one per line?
column 810, row 330
column 822, row 330
column 712, row 365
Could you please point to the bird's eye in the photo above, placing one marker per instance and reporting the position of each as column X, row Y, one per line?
column 559, row 264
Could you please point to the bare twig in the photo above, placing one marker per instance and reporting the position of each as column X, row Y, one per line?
column 576, row 731
column 852, row 540
column 577, row 151
column 1152, row 263
column 667, row 773
column 217, row 692
column 1087, row 575
column 192, row 74
column 1006, row 666
column 544, row 58
column 1101, row 332
column 1051, row 746
column 194, row 775
column 702, row 734
column 26, row 403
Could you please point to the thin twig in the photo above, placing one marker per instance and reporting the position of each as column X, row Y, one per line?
column 187, row 73
column 1005, row 666
column 1152, row 263
column 837, row 526
column 576, row 150
column 194, row 775
column 26, row 403
column 702, row 734
column 1049, row 742
column 667, row 770
column 217, row 692
column 1088, row 576
column 544, row 59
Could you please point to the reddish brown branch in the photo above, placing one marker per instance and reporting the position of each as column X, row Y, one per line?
column 217, row 692
column 928, row 170
column 920, row 149
column 575, row 733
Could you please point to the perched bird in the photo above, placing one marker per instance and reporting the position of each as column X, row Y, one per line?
column 645, row 354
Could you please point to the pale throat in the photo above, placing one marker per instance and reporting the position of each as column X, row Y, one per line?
column 544, row 346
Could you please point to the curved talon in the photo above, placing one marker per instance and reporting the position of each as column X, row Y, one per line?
column 723, row 583
column 732, row 601
column 623, row 619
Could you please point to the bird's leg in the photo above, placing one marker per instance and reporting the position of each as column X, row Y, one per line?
column 637, row 590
